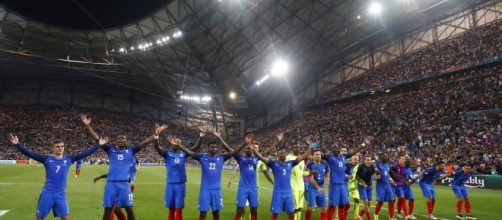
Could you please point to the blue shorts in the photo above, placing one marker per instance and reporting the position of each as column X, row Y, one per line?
column 245, row 194
column 119, row 193
column 427, row 190
column 306, row 184
column 282, row 202
column 385, row 193
column 338, row 195
column 460, row 192
column 404, row 191
column 55, row 201
column 315, row 198
column 174, row 196
column 210, row 198
column 365, row 193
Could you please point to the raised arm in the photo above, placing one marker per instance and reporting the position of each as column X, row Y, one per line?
column 217, row 134
column 307, row 153
column 257, row 153
column 87, row 125
column 174, row 142
column 15, row 141
column 365, row 143
column 101, row 142
column 204, row 130
column 156, row 133
column 248, row 141
column 158, row 129
column 278, row 139
column 158, row 148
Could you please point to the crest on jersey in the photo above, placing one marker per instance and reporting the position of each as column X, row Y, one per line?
column 64, row 161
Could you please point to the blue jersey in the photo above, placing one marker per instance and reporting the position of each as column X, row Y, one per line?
column 132, row 168
column 120, row 162
column 321, row 168
column 211, row 169
column 175, row 166
column 337, row 168
column 247, row 166
column 459, row 178
column 282, row 174
column 56, row 170
column 79, row 163
column 408, row 173
column 430, row 174
column 384, row 169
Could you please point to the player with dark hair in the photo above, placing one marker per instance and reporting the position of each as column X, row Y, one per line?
column 460, row 191
column 427, row 179
column 210, row 196
column 319, row 171
column 53, row 195
column 364, row 174
column 384, row 190
column 398, row 173
column 338, row 190
column 117, row 188
column 282, row 197
column 175, row 159
column 247, row 191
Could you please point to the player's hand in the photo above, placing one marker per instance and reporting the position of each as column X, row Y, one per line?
column 159, row 128
column 249, row 138
column 313, row 172
column 366, row 141
column 320, row 190
column 350, row 177
column 363, row 184
column 204, row 128
column 215, row 133
column 392, row 182
column 172, row 140
column 308, row 141
column 13, row 139
column 254, row 148
column 279, row 137
column 85, row 120
column 229, row 184
column 103, row 140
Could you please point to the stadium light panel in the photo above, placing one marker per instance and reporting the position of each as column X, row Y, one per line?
column 375, row 8
column 232, row 95
column 279, row 68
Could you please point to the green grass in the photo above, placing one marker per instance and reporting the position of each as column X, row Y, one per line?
column 20, row 186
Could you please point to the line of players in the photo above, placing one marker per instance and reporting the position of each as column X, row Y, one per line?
column 118, row 192
column 393, row 183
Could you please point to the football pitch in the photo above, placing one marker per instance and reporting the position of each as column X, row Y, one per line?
column 20, row 186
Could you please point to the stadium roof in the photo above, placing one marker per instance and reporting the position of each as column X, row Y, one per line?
column 214, row 46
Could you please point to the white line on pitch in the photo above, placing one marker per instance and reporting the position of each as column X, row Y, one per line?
column 3, row 212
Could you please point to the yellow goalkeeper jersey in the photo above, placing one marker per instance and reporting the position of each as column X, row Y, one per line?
column 297, row 174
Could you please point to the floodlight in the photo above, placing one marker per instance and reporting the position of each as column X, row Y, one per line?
column 279, row 68
column 375, row 8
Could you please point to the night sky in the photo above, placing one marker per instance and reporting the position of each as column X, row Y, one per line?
column 67, row 14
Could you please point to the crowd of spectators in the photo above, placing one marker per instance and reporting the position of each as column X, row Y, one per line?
column 437, row 120
column 472, row 47
column 38, row 126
